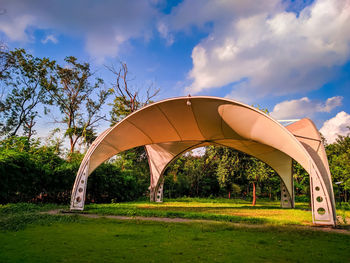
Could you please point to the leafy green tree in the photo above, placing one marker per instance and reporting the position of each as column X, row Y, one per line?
column 28, row 172
column 26, row 79
column 271, row 186
column 236, row 168
column 190, row 175
column 135, row 163
column 258, row 172
column 339, row 159
column 301, row 181
column 230, row 165
column 176, row 181
column 195, row 171
column 109, row 183
column 79, row 100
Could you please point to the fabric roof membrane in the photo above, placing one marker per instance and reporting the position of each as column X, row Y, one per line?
column 169, row 127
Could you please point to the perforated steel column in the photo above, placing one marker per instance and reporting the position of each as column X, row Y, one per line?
column 287, row 201
column 159, row 192
column 322, row 212
column 79, row 189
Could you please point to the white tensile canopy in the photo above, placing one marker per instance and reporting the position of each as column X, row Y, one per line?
column 171, row 127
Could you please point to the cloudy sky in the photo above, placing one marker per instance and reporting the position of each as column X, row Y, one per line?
column 291, row 57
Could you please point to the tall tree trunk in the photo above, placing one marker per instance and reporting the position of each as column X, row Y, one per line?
column 345, row 196
column 71, row 144
column 254, row 194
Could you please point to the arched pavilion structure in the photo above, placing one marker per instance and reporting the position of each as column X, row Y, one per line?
column 173, row 126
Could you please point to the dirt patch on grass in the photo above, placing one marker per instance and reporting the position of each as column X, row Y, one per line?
column 160, row 219
column 328, row 229
column 250, row 213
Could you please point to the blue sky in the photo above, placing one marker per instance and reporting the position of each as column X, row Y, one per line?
column 291, row 57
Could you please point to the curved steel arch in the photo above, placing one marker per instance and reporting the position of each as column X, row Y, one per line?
column 203, row 119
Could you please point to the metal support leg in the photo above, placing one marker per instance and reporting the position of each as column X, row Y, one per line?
column 79, row 189
column 322, row 209
column 156, row 194
column 159, row 193
column 287, row 201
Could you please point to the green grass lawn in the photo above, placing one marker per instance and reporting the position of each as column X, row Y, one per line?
column 26, row 235
column 240, row 211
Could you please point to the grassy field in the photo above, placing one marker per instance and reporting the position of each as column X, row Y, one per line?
column 27, row 235
column 235, row 210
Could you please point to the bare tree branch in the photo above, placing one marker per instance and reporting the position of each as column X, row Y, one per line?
column 126, row 99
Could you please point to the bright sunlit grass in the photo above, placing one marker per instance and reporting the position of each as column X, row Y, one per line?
column 265, row 212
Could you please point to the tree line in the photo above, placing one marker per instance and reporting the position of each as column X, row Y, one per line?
column 71, row 96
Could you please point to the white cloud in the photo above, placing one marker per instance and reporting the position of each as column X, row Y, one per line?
column 164, row 32
column 15, row 27
column 105, row 26
column 50, row 38
column 338, row 125
column 199, row 12
column 264, row 48
column 331, row 103
column 304, row 107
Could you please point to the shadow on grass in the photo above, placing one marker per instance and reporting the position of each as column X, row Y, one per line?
column 165, row 206
column 174, row 213
column 229, row 210
column 211, row 207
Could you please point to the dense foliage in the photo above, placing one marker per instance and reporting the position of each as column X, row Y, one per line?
column 30, row 172
column 33, row 172
column 224, row 172
column 339, row 161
